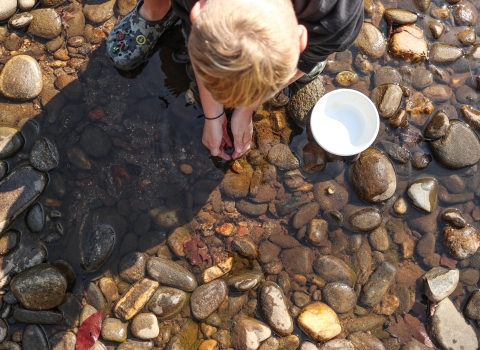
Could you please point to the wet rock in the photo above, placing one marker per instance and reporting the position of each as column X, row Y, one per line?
column 454, row 218
column 63, row 341
column 437, row 126
column 409, row 43
column 305, row 214
column 364, row 341
column 9, row 241
column 13, row 42
column 422, row 78
column 79, row 158
column 339, row 296
column 34, row 337
column 284, row 241
column 44, row 155
column 87, row 311
column 396, row 152
column 400, row 16
column 281, row 156
column 114, row 330
column 371, row 41
column 171, row 274
column 319, row 322
column 373, row 176
column 248, row 333
column 378, row 284
column 298, row 260
column 145, row 326
column 126, row 6
column 335, row 344
column 346, row 78
column 135, row 299
column 207, row 298
column 20, row 21
column 317, row 232
column 95, row 297
column 245, row 282
column 465, row 14
column 51, row 3
column 274, row 309
column 439, row 283
column 38, row 317
column 168, row 218
column 444, row 53
column 467, row 37
column 99, row 11
column 379, row 239
column 365, row 219
column 286, row 206
column 41, row 287
column 46, row 23
column 332, row 269
column 245, row 246
column 423, row 194
column 436, row 28
column 461, row 242
column 314, row 158
column 302, row 102
column 387, row 75
column 248, row 208
column 11, row 142
column 387, row 98
column 167, row 302
column 132, row 267
column 268, row 252
column 7, row 9
column 76, row 24
column 237, row 185
column 24, row 86
column 328, row 200
column 421, row 160
column 438, row 93
column 472, row 306
column 98, row 234
column 423, row 5
column 449, row 328
column 458, row 148
column 131, row 344
column 185, row 339
column 399, row 119
column 471, row 116
column 414, row 344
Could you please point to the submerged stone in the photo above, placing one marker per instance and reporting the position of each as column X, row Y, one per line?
column 21, row 78
column 423, row 194
column 371, row 41
column 11, row 142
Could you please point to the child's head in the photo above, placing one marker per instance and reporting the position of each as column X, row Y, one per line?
column 244, row 51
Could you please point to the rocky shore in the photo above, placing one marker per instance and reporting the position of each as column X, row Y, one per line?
column 119, row 232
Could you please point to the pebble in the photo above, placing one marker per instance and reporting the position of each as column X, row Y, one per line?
column 421, row 160
column 145, row 326
column 245, row 282
column 51, row 3
column 458, row 148
column 24, row 86
column 423, row 5
column 273, row 306
column 371, row 41
column 20, row 21
column 109, row 289
column 76, row 24
column 245, row 246
column 437, row 126
column 471, row 116
column 438, row 92
column 99, row 12
column 365, row 341
column 444, row 53
column 400, row 16
column 450, row 329
column 72, row 89
column 414, row 344
column 387, row 75
column 52, row 317
column 63, row 341
column 346, row 78
column 439, row 283
column 79, row 158
column 465, row 14
column 467, row 37
column 167, row 302
column 436, row 28
column 7, row 9
column 387, row 98
column 302, row 102
column 171, row 274
column 472, row 306
column 379, row 239
column 251, row 209
column 373, row 176
column 131, row 344
column 339, row 296
column 34, row 337
column 335, row 344
column 332, row 269
column 46, row 23
column 125, row 6
column 249, row 333
column 185, row 339
column 281, row 156
column 135, row 299
column 461, row 243
column 314, row 158
column 409, row 43
column 11, row 142
column 35, row 218
column 132, row 267
column 298, row 259
column 365, row 219
column 378, row 284
column 207, row 298
column 87, row 311
column 305, row 214
column 114, row 330
column 237, row 185
column 422, row 78
column 9, row 241
column 423, row 194
column 319, row 322
column 44, row 155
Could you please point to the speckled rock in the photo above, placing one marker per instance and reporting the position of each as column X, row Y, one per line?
column 458, row 148
column 171, row 274
column 11, row 142
column 409, row 43
column 371, row 41
column 378, row 284
column 339, row 296
column 303, row 100
column 387, row 98
column 99, row 11
column 423, row 194
column 332, row 269
column 207, row 298
column 363, row 219
column 51, row 3
column 46, row 23
column 319, row 322
column 135, row 299
column 373, row 176
column 248, row 333
column 273, row 306
column 461, row 243
column 21, row 78
column 114, row 330
column 439, row 283
column 145, row 326
column 44, row 155
column 437, row 126
column 7, row 9
column 444, row 53
column 281, row 156
column 167, row 302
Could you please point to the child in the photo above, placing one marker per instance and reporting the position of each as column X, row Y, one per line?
column 242, row 51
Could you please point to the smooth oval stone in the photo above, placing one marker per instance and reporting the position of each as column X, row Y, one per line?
column 319, row 322
column 114, row 330
column 471, row 116
column 423, row 194
column 11, row 142
column 421, row 160
column 273, row 306
column 167, row 302
column 248, row 333
column 423, row 5
column 34, row 337
column 305, row 214
column 336, row 344
column 422, row 78
column 438, row 92
column 245, row 282
column 95, row 141
column 46, row 23
column 400, row 16
column 332, row 269
column 458, row 148
column 436, row 28
column 207, row 298
column 373, row 176
column 461, row 243
column 454, row 218
column 467, row 37
column 20, row 20
column 9, row 241
column 371, row 41
column 145, row 326
column 409, row 43
column 26, row 5
column 40, row 287
column 35, row 218
column 18, row 191
column 465, row 14
column 7, row 9
column 378, row 284
column 444, row 53
column 44, row 155
column 132, row 267
column 396, row 152
column 339, row 296
column 171, row 274
column 387, row 98
column 472, row 306
column 364, row 340
column 52, row 317
column 366, row 219
column 437, row 126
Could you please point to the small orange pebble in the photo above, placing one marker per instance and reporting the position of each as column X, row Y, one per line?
column 243, row 231
column 227, row 229
column 300, row 279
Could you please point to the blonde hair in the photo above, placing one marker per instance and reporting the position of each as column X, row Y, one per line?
column 244, row 51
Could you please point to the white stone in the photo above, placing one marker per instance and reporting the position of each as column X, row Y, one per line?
column 26, row 5
column 7, row 9
column 145, row 326
column 439, row 283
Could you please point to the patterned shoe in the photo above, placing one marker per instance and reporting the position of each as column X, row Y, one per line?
column 132, row 41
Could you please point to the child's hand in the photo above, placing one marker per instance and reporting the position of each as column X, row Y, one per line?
column 242, row 130
column 215, row 137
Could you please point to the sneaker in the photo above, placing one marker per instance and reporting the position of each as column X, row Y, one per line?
column 132, row 41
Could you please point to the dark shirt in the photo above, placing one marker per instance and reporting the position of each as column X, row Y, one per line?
column 332, row 25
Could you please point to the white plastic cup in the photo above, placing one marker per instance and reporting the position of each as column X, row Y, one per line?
column 344, row 122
